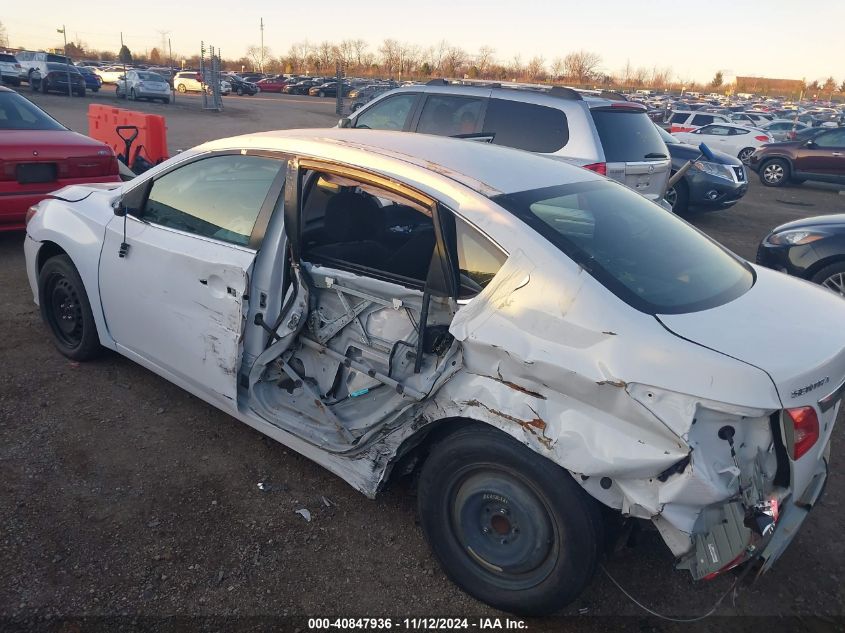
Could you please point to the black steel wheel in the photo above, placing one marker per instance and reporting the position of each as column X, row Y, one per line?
column 66, row 310
column 508, row 526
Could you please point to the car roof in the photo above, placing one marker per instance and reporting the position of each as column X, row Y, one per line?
column 488, row 169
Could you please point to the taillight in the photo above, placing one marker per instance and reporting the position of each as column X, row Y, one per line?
column 805, row 423
column 763, row 139
column 30, row 213
column 599, row 168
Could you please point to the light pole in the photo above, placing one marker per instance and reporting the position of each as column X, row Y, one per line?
column 63, row 31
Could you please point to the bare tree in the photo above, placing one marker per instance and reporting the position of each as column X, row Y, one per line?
column 391, row 55
column 639, row 76
column 258, row 56
column 581, row 66
column 453, row 61
column 484, row 59
column 325, row 55
column 536, row 68
column 4, row 36
column 515, row 68
column 360, row 48
column 557, row 68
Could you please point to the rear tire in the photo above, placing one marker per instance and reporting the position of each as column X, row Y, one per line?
column 745, row 154
column 66, row 310
column 508, row 526
column 774, row 172
column 181, row 88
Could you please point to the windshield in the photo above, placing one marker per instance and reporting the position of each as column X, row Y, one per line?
column 151, row 77
column 649, row 258
column 17, row 113
column 628, row 136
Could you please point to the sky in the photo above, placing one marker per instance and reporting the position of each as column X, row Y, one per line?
column 772, row 38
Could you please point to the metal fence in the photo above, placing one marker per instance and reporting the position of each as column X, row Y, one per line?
column 210, row 65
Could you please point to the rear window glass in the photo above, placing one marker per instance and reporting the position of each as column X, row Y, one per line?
column 5, row 57
column 151, row 77
column 62, row 68
column 527, row 126
column 647, row 257
column 628, row 136
column 17, row 113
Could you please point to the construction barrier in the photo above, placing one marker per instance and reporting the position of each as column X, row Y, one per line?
column 151, row 143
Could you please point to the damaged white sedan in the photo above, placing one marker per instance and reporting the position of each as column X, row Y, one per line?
column 538, row 340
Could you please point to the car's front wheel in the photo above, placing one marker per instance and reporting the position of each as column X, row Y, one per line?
column 678, row 197
column 774, row 172
column 508, row 525
column 321, row 94
column 66, row 310
column 181, row 88
column 832, row 277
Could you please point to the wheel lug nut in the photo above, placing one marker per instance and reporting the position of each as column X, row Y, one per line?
column 486, row 530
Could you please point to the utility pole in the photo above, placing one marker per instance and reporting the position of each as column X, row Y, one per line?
column 63, row 31
column 170, row 68
column 261, row 70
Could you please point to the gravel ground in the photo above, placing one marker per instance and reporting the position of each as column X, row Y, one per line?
column 123, row 496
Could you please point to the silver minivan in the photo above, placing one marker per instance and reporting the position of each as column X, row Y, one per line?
column 604, row 133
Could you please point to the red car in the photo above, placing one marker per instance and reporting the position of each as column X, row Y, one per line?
column 272, row 84
column 39, row 155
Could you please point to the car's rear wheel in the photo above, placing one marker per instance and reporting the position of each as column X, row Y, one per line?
column 745, row 154
column 45, row 85
column 774, row 172
column 181, row 88
column 832, row 277
column 678, row 197
column 240, row 92
column 66, row 310
column 508, row 526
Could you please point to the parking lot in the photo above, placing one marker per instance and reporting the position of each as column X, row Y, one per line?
column 124, row 495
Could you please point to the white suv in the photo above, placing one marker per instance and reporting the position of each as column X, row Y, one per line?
column 191, row 81
column 602, row 132
column 31, row 61
column 10, row 69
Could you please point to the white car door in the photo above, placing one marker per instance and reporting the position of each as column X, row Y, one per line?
column 173, row 286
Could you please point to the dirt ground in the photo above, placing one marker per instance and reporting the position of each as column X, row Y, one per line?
column 121, row 496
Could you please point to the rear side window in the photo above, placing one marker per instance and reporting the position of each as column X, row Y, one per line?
column 702, row 119
column 390, row 113
column 446, row 115
column 478, row 259
column 679, row 117
column 527, row 126
column 628, row 136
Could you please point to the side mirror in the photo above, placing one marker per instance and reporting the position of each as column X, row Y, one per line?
column 132, row 202
column 345, row 122
column 810, row 144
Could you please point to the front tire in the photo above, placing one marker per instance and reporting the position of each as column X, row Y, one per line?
column 66, row 310
column 508, row 526
column 774, row 172
column 832, row 277
column 321, row 94
column 181, row 88
column 678, row 197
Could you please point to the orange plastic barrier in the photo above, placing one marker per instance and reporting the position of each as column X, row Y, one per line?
column 151, row 143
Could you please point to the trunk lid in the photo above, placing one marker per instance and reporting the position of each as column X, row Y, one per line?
column 30, row 157
column 789, row 328
column 634, row 152
column 792, row 330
